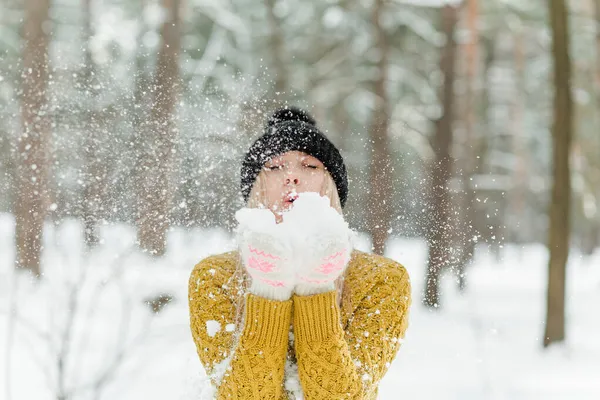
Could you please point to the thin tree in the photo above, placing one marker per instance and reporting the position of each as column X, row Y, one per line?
column 439, row 229
column 141, row 83
column 158, row 144
column 140, row 112
column 470, row 144
column 96, row 168
column 518, row 195
column 562, row 131
column 595, row 233
column 597, row 10
column 31, row 203
column 380, row 169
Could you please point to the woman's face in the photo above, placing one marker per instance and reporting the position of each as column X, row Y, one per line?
column 289, row 174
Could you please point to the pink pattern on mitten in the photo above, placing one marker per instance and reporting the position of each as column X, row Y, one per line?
column 328, row 270
column 261, row 265
column 266, row 254
column 333, row 263
column 273, row 283
column 314, row 281
column 263, row 253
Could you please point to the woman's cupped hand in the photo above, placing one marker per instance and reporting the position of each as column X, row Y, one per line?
column 305, row 253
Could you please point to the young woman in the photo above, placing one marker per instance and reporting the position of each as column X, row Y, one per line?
column 295, row 312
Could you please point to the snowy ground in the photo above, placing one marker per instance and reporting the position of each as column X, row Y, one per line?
column 90, row 309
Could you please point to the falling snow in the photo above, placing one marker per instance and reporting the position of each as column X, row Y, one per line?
column 108, row 318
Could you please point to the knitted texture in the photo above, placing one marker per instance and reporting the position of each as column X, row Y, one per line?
column 341, row 352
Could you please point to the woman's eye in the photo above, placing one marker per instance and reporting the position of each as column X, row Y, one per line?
column 311, row 166
column 273, row 167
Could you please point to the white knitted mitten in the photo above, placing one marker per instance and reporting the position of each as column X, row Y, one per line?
column 266, row 254
column 322, row 243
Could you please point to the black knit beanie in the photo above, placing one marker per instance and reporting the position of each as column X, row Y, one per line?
column 290, row 129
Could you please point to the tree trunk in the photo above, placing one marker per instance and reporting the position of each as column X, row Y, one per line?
column 140, row 105
column 381, row 169
column 597, row 3
column 95, row 174
column 439, row 229
column 155, row 190
column 488, row 46
column 470, row 145
column 140, row 116
column 595, row 234
column 34, row 144
column 561, row 189
column 517, row 198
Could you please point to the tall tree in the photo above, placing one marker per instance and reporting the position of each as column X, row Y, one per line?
column 34, row 144
column 141, row 112
column 518, row 193
column 158, row 144
column 597, row 9
column 595, row 233
column 562, row 131
column 597, row 69
column 439, row 226
column 470, row 144
column 381, row 169
column 96, row 168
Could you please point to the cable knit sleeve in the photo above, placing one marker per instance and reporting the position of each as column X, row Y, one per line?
column 251, row 367
column 348, row 363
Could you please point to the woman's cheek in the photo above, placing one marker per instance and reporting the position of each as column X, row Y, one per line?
column 316, row 183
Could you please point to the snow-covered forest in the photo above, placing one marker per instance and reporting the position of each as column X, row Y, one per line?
column 470, row 129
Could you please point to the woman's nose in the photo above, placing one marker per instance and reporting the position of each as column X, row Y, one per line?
column 291, row 179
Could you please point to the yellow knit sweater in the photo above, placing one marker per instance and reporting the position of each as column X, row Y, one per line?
column 340, row 352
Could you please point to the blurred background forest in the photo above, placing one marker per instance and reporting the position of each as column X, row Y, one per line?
column 139, row 112
column 147, row 108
